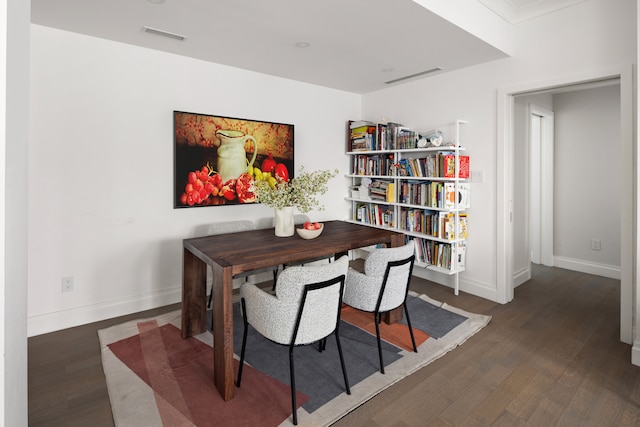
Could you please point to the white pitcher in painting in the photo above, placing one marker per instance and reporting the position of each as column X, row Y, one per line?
column 232, row 157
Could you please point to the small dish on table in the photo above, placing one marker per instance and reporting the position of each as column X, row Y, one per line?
column 310, row 230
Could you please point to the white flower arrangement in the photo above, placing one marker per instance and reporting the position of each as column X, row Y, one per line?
column 300, row 192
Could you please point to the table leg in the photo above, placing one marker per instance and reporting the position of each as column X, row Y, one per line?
column 397, row 240
column 194, row 293
column 222, row 317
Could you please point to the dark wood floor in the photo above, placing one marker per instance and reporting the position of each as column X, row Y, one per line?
column 550, row 357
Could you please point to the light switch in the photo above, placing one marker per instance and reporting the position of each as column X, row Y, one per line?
column 477, row 176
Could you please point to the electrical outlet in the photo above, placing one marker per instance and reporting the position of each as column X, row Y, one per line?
column 595, row 244
column 67, row 284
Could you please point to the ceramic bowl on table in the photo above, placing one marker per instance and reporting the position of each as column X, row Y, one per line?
column 309, row 234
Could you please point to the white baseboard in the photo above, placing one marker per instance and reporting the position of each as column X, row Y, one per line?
column 50, row 322
column 519, row 277
column 474, row 287
column 589, row 267
column 635, row 353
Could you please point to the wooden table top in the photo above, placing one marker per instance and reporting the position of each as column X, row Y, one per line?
column 256, row 249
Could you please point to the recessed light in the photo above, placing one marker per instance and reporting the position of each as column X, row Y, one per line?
column 156, row 1
column 302, row 45
column 387, row 70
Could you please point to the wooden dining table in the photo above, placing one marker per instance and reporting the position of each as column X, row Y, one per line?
column 235, row 253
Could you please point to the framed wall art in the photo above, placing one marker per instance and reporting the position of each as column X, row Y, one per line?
column 215, row 157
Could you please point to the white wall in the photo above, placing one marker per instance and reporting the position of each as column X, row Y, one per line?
column 587, row 176
column 101, row 167
column 575, row 40
column 14, row 50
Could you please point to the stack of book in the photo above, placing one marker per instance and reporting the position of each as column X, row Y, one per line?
column 374, row 214
column 431, row 223
column 362, row 136
column 374, row 165
column 441, row 254
column 378, row 190
column 441, row 195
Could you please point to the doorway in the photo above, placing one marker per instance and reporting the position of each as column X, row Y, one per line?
column 506, row 166
column 586, row 189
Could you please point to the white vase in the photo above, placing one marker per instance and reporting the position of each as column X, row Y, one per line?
column 284, row 222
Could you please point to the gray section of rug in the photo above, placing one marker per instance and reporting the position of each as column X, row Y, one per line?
column 318, row 374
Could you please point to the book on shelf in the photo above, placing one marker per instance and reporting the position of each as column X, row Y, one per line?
column 439, row 254
column 451, row 257
column 387, row 217
column 464, row 195
column 449, row 229
column 358, row 144
column 372, row 164
column 403, row 168
column 362, row 138
column 449, row 166
column 392, row 135
column 391, row 192
column 461, row 253
column 419, row 250
column 449, row 200
column 355, row 124
column 464, row 167
column 370, row 213
column 463, row 231
column 446, row 226
column 378, row 189
column 406, row 138
column 381, row 137
column 419, row 167
column 430, row 166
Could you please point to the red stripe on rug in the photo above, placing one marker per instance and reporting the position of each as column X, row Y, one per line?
column 169, row 399
column 396, row 333
column 261, row 400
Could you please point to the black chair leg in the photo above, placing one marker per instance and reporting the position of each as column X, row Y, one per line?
column 413, row 340
column 244, row 342
column 293, row 388
column 344, row 369
column 377, row 322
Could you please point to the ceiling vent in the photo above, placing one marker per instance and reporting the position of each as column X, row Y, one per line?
column 163, row 33
column 433, row 70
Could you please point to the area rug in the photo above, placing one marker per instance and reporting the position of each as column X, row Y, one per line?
column 156, row 378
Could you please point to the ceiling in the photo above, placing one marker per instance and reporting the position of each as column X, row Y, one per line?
column 357, row 46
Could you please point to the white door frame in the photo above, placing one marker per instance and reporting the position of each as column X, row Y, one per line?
column 504, row 191
column 541, row 183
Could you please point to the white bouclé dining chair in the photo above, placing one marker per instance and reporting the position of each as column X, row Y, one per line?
column 383, row 286
column 304, row 310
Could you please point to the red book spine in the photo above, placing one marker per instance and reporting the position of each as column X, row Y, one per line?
column 449, row 166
